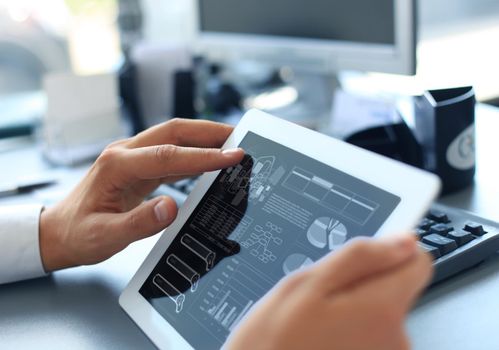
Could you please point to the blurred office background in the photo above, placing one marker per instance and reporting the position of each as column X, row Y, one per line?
column 457, row 44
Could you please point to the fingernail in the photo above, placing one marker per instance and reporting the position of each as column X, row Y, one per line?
column 231, row 152
column 161, row 211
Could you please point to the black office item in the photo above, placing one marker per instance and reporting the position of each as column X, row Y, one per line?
column 23, row 188
column 444, row 127
column 457, row 239
column 16, row 130
column 20, row 113
column 128, row 86
column 184, row 94
column 220, row 97
column 395, row 141
column 441, row 141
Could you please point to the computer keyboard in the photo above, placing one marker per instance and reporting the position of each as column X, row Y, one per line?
column 455, row 238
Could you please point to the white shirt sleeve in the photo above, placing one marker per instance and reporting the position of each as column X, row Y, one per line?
column 19, row 244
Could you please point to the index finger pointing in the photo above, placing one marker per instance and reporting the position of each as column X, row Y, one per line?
column 165, row 160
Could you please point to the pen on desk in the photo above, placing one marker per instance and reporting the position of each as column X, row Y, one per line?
column 17, row 189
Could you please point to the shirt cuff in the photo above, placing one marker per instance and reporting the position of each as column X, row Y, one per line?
column 20, row 257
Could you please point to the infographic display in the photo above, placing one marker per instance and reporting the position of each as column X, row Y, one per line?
column 275, row 212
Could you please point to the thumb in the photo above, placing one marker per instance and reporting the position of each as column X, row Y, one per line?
column 147, row 219
column 363, row 258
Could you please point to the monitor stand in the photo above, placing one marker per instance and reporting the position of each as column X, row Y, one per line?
column 304, row 98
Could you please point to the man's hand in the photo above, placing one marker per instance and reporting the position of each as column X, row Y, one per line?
column 354, row 299
column 106, row 212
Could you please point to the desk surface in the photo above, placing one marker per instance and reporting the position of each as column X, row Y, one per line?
column 78, row 308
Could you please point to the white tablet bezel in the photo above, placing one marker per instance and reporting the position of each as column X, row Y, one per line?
column 417, row 190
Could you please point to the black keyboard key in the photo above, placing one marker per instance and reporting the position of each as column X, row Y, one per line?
column 425, row 224
column 445, row 245
column 441, row 229
column 430, row 249
column 420, row 233
column 438, row 216
column 474, row 228
column 461, row 237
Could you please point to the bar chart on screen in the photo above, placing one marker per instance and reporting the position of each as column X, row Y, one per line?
column 233, row 294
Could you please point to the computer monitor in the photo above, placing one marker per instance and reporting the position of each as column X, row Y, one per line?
column 323, row 36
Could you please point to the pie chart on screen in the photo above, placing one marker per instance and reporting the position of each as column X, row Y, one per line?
column 295, row 262
column 327, row 232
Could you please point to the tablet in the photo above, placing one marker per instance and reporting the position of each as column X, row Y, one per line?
column 296, row 196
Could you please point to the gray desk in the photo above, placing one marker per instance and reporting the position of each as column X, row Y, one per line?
column 78, row 308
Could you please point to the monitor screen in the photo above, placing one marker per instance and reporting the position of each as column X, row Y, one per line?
column 363, row 21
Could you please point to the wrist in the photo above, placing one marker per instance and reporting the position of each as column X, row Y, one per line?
column 52, row 252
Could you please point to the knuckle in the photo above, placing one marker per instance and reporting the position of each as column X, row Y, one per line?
column 175, row 126
column 178, row 129
column 108, row 156
column 165, row 153
column 175, row 122
column 118, row 143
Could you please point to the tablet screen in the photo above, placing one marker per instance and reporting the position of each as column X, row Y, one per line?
column 274, row 213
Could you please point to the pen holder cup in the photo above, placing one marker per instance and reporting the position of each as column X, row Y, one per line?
column 445, row 128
